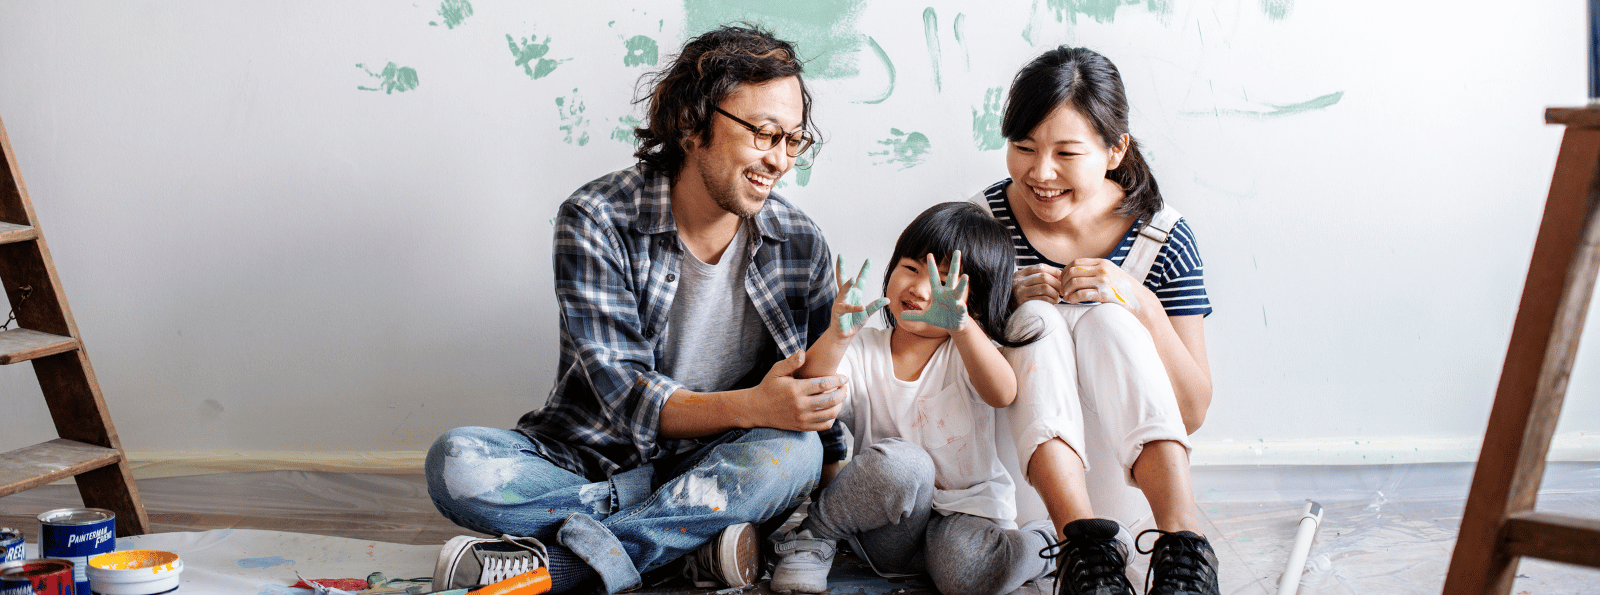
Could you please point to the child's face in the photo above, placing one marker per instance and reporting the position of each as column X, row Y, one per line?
column 909, row 291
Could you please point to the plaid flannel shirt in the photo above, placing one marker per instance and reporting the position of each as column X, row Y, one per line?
column 617, row 257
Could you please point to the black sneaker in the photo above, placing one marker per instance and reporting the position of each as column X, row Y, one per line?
column 1090, row 561
column 732, row 558
column 1181, row 563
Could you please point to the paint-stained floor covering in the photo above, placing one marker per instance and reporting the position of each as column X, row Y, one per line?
column 1387, row 530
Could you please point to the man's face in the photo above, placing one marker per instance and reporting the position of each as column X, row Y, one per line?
column 736, row 174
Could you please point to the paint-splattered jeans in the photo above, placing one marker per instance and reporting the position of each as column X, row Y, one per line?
column 493, row 481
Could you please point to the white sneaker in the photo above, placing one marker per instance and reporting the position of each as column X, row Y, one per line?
column 733, row 557
column 803, row 563
column 468, row 561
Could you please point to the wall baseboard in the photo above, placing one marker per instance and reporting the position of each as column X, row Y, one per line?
column 1575, row 446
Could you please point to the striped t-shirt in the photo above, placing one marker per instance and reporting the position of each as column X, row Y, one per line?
column 1177, row 277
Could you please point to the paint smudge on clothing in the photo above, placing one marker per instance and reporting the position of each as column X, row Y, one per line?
column 597, row 496
column 986, row 125
column 453, row 12
column 392, row 78
column 530, row 55
column 699, row 490
column 470, row 473
column 907, row 149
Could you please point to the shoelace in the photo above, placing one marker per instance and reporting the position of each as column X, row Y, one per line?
column 1085, row 574
column 1182, row 555
column 499, row 566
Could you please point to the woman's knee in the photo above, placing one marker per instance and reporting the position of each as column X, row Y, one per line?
column 1112, row 320
column 1035, row 318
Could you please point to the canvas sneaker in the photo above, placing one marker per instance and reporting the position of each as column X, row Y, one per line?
column 468, row 561
column 803, row 563
column 1181, row 563
column 732, row 558
column 1090, row 560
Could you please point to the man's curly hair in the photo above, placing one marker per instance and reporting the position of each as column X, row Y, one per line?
column 707, row 71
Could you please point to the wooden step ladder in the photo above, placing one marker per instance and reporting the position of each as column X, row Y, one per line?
column 45, row 334
column 1500, row 525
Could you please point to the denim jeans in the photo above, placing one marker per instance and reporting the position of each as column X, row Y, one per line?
column 493, row 481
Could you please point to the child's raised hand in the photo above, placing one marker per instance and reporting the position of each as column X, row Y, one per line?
column 847, row 307
column 948, row 307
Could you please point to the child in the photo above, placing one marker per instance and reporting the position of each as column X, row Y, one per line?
column 926, row 490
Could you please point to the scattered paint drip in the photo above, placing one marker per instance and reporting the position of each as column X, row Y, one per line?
column 392, row 78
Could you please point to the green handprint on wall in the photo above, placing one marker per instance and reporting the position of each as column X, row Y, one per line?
column 393, row 78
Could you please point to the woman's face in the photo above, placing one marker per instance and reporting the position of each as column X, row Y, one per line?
column 1061, row 167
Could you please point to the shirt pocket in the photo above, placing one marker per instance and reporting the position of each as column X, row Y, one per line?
column 944, row 428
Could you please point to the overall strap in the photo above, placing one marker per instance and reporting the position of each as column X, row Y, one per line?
column 1152, row 238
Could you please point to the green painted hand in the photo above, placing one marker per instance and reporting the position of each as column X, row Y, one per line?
column 850, row 295
column 948, row 308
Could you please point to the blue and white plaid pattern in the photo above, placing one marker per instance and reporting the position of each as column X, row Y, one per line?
column 617, row 257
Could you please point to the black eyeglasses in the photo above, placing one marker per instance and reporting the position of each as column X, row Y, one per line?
column 768, row 136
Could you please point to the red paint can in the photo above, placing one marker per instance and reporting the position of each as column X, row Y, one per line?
column 37, row 577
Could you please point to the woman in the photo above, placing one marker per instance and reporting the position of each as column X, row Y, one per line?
column 1124, row 355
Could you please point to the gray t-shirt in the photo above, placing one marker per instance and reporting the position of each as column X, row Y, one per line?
column 714, row 334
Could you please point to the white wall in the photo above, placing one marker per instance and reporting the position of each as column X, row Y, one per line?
column 262, row 256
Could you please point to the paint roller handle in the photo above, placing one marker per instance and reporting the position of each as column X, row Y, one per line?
column 1310, row 519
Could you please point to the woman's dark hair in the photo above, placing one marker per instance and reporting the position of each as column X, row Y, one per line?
column 987, row 259
column 707, row 71
column 1091, row 84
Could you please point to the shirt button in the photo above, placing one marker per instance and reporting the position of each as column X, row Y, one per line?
column 671, row 277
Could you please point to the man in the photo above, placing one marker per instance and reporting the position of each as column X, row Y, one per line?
column 688, row 294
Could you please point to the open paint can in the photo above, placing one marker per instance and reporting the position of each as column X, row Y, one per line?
column 37, row 577
column 135, row 572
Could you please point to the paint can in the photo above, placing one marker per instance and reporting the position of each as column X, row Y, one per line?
column 11, row 545
column 135, row 572
column 77, row 534
column 37, row 577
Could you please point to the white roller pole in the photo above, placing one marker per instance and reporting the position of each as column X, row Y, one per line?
column 1310, row 519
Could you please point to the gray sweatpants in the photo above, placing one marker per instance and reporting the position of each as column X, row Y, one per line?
column 882, row 503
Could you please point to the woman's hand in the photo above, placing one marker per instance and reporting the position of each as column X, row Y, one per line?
column 848, row 312
column 1098, row 280
column 1036, row 282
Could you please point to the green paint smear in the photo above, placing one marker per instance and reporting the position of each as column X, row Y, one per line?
column 1277, row 110
column 986, row 125
column 905, row 149
column 530, row 54
column 1102, row 11
column 454, row 12
column 930, row 31
column 802, row 168
column 624, row 130
column 572, row 120
column 824, row 31
column 1276, row 9
column 392, row 78
column 961, row 38
column 641, row 51
column 883, row 56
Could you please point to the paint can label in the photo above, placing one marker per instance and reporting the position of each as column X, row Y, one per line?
column 77, row 534
column 38, row 577
column 11, row 545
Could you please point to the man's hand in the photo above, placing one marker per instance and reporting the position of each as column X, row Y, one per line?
column 787, row 403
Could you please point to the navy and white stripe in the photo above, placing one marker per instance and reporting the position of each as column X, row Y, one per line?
column 1177, row 277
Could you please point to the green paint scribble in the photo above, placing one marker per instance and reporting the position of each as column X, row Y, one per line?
column 906, row 149
column 641, row 51
column 824, row 31
column 986, row 125
column 1272, row 110
column 624, row 130
column 1276, row 9
column 802, row 168
column 930, row 31
column 883, row 56
column 1102, row 11
column 453, row 12
column 530, row 56
column 573, row 123
column 961, row 39
column 392, row 78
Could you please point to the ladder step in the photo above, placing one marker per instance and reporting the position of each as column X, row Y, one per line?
column 11, row 233
column 1554, row 537
column 37, row 465
column 20, row 345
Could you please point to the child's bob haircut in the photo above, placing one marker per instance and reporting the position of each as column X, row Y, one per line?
column 987, row 259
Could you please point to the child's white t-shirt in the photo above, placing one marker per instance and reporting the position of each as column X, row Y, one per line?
column 941, row 412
